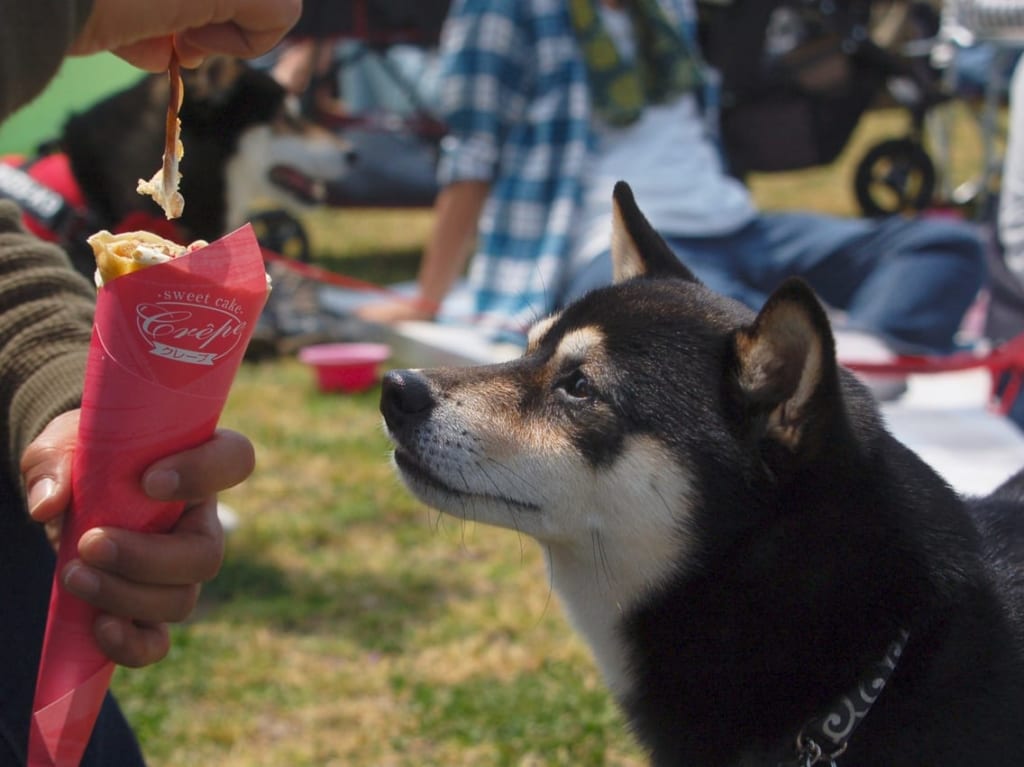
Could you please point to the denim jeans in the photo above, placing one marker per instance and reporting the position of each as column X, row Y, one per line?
column 26, row 566
column 907, row 281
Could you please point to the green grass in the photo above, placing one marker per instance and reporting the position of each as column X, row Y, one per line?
column 351, row 626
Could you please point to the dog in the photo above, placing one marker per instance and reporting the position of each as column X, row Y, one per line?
column 235, row 127
column 765, row 576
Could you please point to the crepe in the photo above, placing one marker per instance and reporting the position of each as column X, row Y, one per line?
column 164, row 350
column 163, row 187
column 120, row 254
column 166, row 344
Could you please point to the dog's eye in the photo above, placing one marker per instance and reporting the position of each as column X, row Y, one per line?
column 577, row 385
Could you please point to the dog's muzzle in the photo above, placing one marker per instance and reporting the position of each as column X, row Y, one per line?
column 406, row 400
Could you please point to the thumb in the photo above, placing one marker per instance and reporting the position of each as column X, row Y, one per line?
column 46, row 467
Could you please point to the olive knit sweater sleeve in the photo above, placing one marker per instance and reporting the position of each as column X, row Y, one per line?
column 46, row 310
column 34, row 36
column 45, row 306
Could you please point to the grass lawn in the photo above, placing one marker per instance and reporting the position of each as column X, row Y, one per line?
column 351, row 626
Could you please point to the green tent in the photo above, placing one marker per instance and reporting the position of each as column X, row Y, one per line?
column 80, row 83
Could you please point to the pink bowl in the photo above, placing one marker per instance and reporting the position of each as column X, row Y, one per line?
column 345, row 367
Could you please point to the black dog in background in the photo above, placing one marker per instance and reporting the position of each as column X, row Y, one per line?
column 121, row 138
column 234, row 127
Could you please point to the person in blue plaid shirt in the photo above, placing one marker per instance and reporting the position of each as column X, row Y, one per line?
column 550, row 102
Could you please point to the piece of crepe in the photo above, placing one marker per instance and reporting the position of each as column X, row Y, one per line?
column 163, row 187
column 120, row 254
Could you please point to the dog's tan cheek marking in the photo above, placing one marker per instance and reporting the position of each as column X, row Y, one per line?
column 489, row 412
column 494, row 409
column 536, row 428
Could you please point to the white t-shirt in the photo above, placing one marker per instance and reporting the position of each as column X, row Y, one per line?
column 667, row 158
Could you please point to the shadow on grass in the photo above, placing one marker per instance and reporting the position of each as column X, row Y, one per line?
column 376, row 611
column 557, row 713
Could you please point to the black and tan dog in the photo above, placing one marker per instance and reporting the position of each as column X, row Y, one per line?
column 764, row 574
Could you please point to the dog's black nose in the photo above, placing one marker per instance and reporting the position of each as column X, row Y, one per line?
column 405, row 396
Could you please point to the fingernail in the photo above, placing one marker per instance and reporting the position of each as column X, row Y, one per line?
column 161, row 484
column 110, row 630
column 99, row 550
column 81, row 581
column 40, row 492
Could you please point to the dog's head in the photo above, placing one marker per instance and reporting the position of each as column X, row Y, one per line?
column 645, row 424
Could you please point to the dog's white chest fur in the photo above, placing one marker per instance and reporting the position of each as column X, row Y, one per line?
column 630, row 536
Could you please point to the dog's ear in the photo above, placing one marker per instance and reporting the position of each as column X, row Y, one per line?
column 213, row 81
column 227, row 95
column 638, row 250
column 785, row 369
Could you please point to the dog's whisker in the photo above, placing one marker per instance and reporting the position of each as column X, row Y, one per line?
column 551, row 587
column 509, row 471
column 513, row 510
column 595, row 555
column 498, row 489
column 600, row 557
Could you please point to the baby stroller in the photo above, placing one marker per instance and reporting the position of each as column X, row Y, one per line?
column 795, row 102
column 822, row 65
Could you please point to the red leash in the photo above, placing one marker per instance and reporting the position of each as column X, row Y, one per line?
column 1006, row 359
column 319, row 274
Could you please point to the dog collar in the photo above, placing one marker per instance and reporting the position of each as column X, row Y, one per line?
column 824, row 738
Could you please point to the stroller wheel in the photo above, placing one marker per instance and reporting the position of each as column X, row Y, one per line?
column 895, row 176
column 281, row 232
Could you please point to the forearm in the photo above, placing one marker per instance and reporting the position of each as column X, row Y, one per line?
column 45, row 323
column 457, row 211
column 34, row 36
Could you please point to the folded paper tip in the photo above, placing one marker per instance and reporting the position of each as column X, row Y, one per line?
column 61, row 730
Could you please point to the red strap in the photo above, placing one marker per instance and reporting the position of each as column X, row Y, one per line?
column 325, row 275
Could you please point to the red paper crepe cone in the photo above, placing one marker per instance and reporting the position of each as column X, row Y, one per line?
column 167, row 342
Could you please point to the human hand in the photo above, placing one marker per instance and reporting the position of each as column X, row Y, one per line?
column 140, row 581
column 143, row 33
column 397, row 309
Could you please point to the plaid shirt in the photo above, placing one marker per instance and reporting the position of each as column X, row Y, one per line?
column 514, row 97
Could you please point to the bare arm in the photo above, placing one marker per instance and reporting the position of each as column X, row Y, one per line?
column 456, row 212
